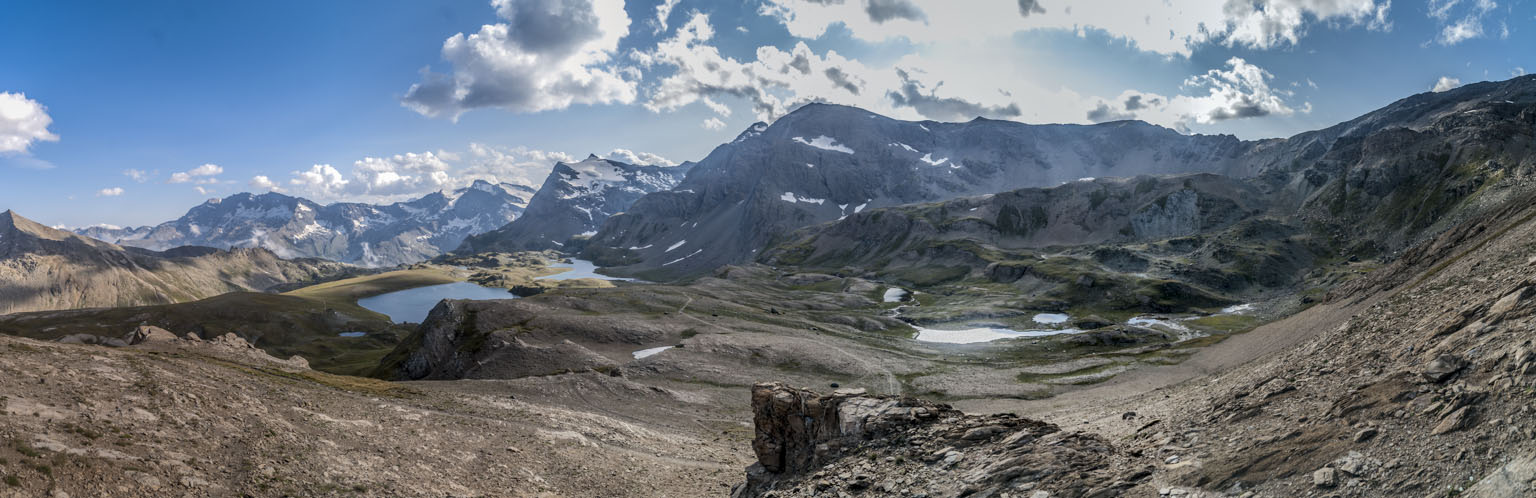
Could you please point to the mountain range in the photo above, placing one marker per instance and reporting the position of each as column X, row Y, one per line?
column 825, row 162
column 48, row 269
column 1400, row 169
column 364, row 234
column 575, row 200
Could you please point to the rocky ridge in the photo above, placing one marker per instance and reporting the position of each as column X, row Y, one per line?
column 47, row 269
column 364, row 234
column 574, row 201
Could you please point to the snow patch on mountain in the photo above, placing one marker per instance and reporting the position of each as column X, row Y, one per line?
column 825, row 143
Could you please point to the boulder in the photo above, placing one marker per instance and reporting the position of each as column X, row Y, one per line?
column 1325, row 477
column 231, row 340
column 148, row 333
column 1457, row 420
column 795, row 427
column 1442, row 368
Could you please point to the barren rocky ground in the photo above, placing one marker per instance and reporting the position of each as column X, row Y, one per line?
column 216, row 418
column 1418, row 381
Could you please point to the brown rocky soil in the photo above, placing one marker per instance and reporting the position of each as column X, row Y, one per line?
column 176, row 417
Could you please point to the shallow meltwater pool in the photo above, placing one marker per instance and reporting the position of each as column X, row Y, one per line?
column 580, row 268
column 982, row 334
column 650, row 351
column 412, row 305
column 1051, row 318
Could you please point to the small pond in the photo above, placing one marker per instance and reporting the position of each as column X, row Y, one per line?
column 982, row 334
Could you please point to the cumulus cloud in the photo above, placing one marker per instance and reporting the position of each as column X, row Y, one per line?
column 1239, row 90
column 713, row 124
column 641, row 158
column 1103, row 112
column 1168, row 28
column 262, row 182
column 23, row 122
column 1027, row 7
column 137, row 175
column 547, row 55
column 1461, row 20
column 885, row 10
column 1445, row 83
column 109, row 192
column 778, row 81
column 520, row 165
column 663, row 12
column 319, row 182
column 202, row 175
column 925, row 101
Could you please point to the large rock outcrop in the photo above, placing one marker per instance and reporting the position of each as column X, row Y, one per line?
column 812, row 444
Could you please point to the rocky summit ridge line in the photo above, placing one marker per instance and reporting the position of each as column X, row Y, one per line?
column 364, row 234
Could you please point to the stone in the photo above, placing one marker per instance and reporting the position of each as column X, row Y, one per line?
column 981, row 433
column 1513, row 479
column 148, row 333
column 1325, row 477
column 1352, row 464
column 1442, row 368
column 1365, row 434
column 231, row 340
column 1508, row 302
column 1457, row 420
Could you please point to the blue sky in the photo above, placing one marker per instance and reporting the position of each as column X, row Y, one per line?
column 131, row 113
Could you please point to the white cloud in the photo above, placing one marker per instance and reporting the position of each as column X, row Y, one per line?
column 547, row 55
column 520, row 165
column 775, row 82
column 1517, row 72
column 640, row 158
column 109, row 192
column 1445, row 83
column 1468, row 25
column 1241, row 90
column 320, row 182
column 663, row 11
column 23, row 122
column 201, row 175
column 137, row 175
column 946, row 81
column 713, row 124
column 1168, row 28
column 262, row 182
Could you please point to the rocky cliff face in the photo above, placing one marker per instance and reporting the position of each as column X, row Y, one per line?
column 825, row 162
column 508, row 339
column 574, row 201
column 811, row 444
column 46, row 269
column 365, row 234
